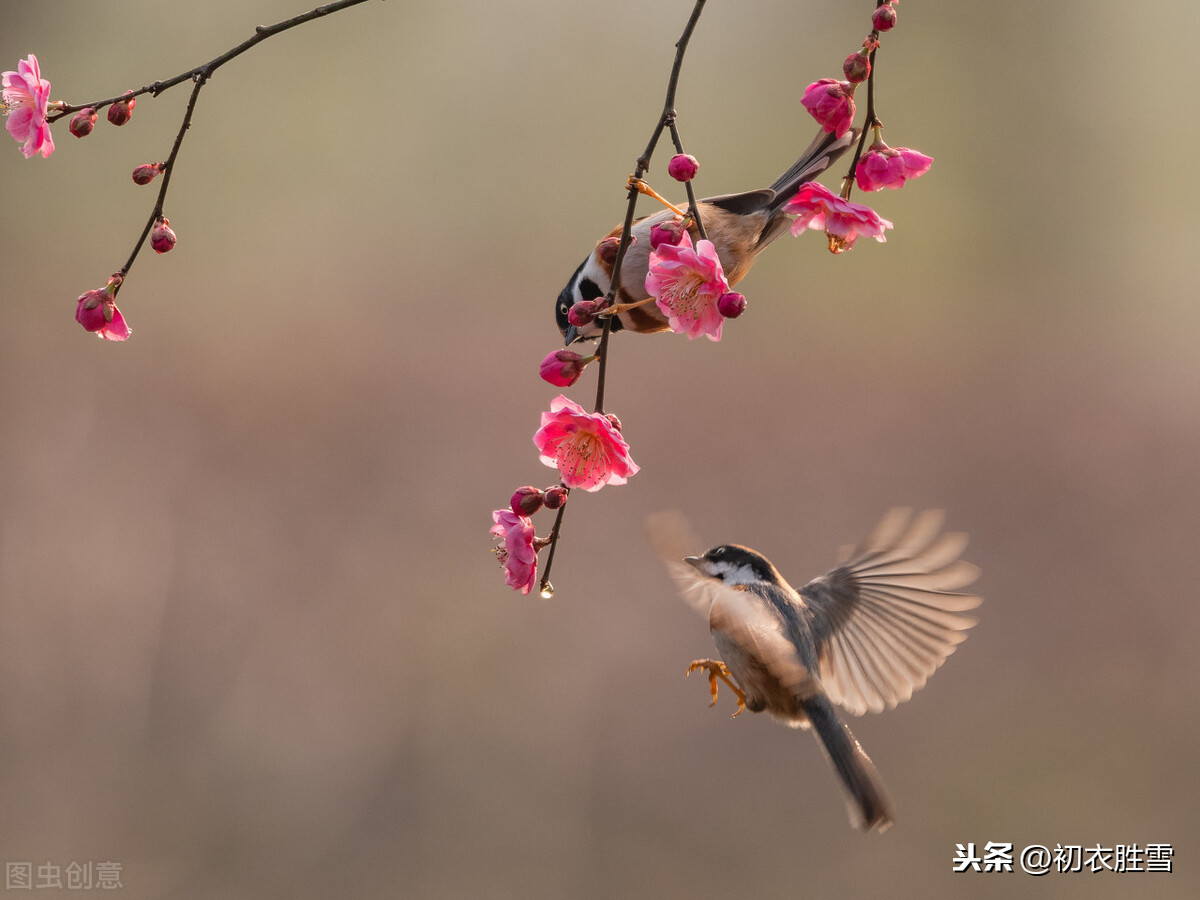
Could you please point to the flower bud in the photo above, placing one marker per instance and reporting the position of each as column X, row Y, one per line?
column 562, row 368
column 583, row 313
column 146, row 173
column 162, row 238
column 884, row 17
column 83, row 122
column 526, row 500
column 555, row 497
column 731, row 304
column 666, row 233
column 613, row 420
column 119, row 112
column 857, row 66
column 606, row 250
column 683, row 167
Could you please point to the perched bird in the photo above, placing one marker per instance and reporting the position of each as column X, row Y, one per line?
column 864, row 637
column 739, row 225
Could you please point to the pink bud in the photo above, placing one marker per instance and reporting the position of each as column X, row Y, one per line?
column 613, row 420
column 146, row 173
column 119, row 112
column 162, row 238
column 526, row 500
column 831, row 103
column 731, row 304
column 857, row 66
column 83, row 122
column 562, row 368
column 884, row 18
column 606, row 250
column 583, row 313
column 666, row 233
column 683, row 167
column 555, row 497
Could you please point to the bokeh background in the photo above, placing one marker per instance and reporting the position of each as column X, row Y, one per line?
column 252, row 640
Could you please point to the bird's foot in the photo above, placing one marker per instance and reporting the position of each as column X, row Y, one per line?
column 716, row 669
column 617, row 308
column 643, row 188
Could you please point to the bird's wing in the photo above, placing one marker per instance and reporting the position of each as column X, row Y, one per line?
column 671, row 536
column 886, row 618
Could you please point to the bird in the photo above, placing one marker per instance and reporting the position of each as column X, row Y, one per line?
column 739, row 225
column 864, row 636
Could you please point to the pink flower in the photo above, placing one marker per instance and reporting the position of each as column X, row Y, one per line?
column 831, row 103
column 518, row 555
column 97, row 311
column 815, row 206
column 686, row 283
column 26, row 95
column 889, row 167
column 562, row 368
column 586, row 448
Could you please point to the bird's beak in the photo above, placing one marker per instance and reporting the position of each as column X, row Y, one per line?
column 571, row 335
column 696, row 563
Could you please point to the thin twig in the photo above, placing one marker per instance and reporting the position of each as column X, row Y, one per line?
column 261, row 33
column 168, row 168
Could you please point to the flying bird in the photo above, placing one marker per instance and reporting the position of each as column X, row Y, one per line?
column 864, row 636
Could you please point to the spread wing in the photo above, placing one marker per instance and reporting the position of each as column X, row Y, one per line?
column 887, row 617
column 671, row 536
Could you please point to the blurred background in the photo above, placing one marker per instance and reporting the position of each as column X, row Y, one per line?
column 252, row 639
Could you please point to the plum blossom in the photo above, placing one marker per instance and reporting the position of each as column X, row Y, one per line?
column 831, row 103
column 686, row 283
column 586, row 448
column 889, row 167
column 815, row 206
column 518, row 554
column 97, row 311
column 26, row 95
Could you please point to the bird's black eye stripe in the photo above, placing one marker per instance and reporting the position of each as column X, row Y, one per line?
column 589, row 289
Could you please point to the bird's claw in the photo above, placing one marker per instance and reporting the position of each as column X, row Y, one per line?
column 716, row 669
column 617, row 308
column 643, row 188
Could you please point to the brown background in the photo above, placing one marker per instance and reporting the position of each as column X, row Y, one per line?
column 252, row 642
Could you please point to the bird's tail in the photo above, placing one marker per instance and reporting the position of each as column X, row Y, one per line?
column 817, row 157
column 866, row 799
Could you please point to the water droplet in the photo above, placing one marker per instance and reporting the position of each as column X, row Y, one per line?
column 547, row 591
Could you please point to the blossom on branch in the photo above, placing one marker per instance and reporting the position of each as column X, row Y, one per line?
column 26, row 95
column 97, row 311
column 889, row 167
column 815, row 206
column 686, row 282
column 518, row 554
column 586, row 448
